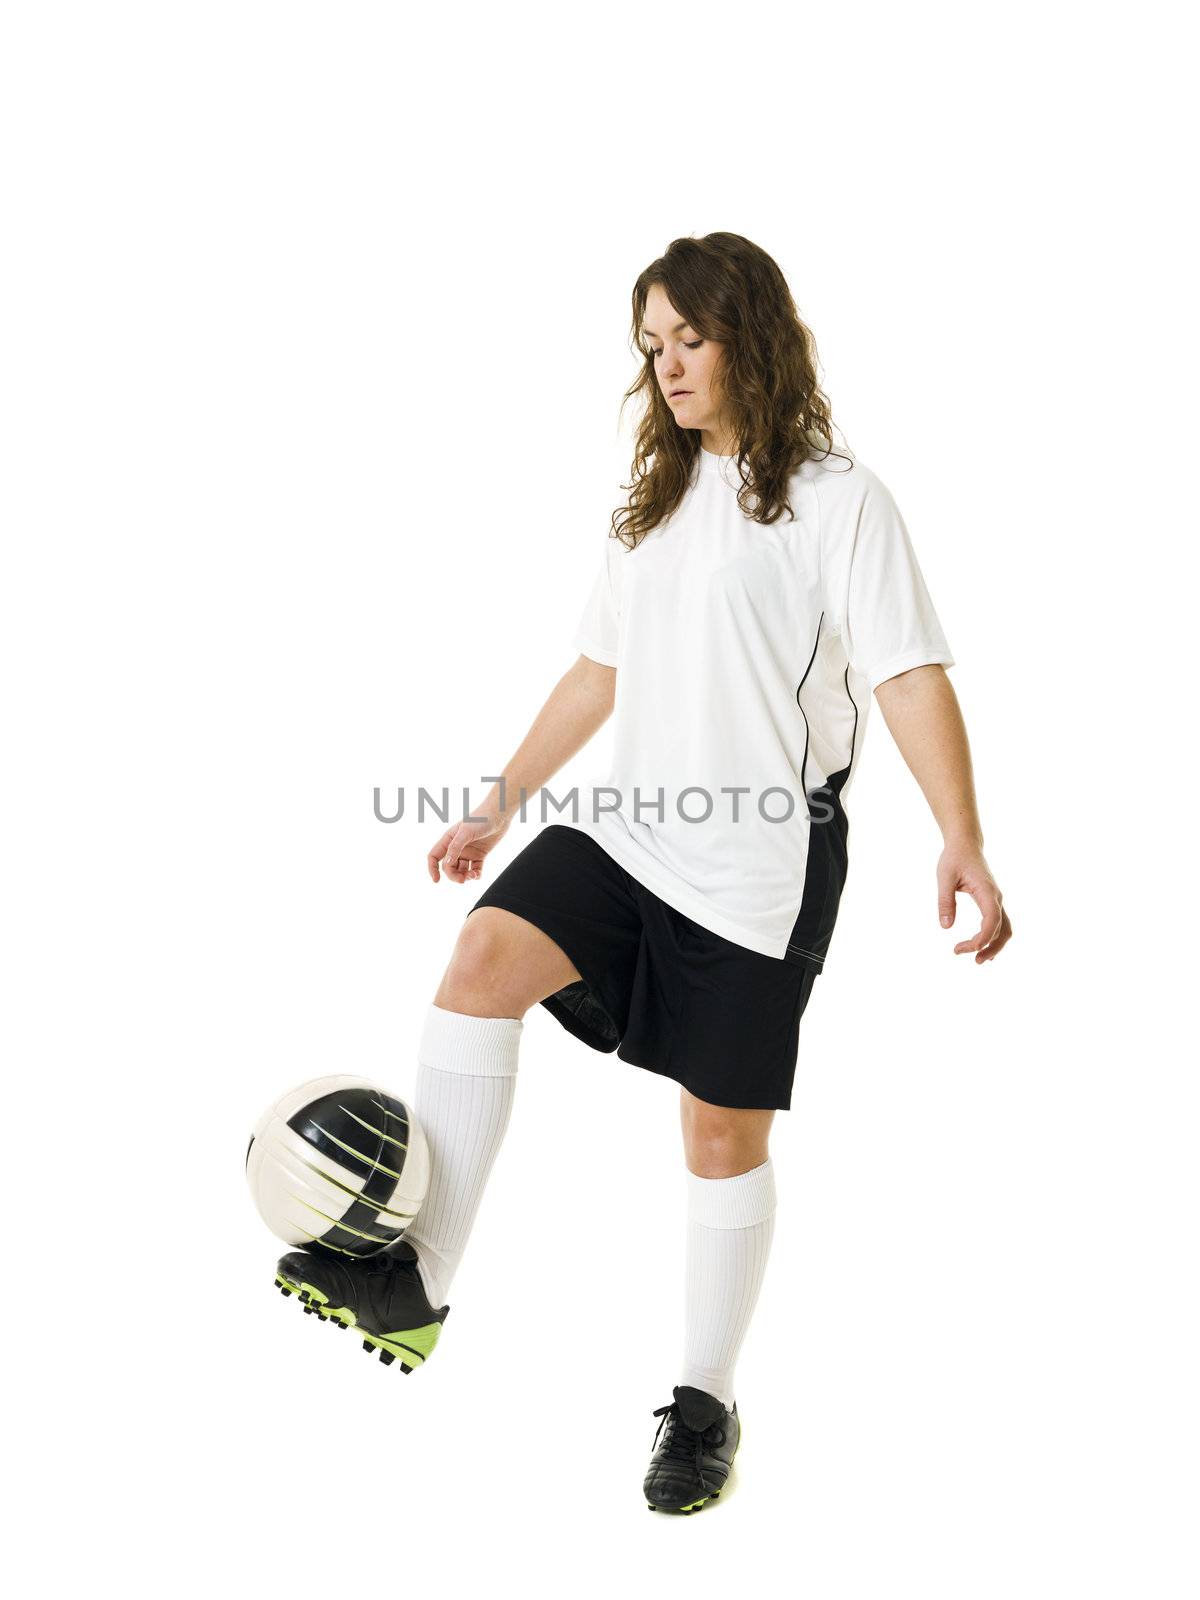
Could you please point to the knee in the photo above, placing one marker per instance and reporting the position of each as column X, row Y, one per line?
column 722, row 1158
column 724, row 1141
column 476, row 981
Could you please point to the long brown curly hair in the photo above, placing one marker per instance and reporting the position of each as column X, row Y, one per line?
column 732, row 292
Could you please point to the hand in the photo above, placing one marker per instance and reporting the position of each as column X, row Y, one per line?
column 461, row 849
column 963, row 867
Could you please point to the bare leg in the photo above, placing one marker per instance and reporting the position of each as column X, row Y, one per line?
column 501, row 966
column 721, row 1141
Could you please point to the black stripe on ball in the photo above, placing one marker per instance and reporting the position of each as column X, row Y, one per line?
column 334, row 1125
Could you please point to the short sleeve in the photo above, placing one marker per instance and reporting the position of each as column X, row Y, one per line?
column 874, row 590
column 598, row 630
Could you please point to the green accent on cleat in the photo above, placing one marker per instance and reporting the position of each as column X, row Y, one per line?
column 415, row 1344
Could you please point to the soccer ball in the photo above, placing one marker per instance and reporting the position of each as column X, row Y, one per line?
column 339, row 1166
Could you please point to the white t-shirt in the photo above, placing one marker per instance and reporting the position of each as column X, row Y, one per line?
column 746, row 656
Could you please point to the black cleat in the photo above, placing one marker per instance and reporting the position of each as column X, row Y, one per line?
column 700, row 1438
column 380, row 1295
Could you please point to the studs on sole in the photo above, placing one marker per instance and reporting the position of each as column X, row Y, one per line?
column 341, row 1317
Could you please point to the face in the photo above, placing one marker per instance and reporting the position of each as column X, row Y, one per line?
column 685, row 368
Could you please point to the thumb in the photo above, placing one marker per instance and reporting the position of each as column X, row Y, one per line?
column 946, row 906
column 450, row 853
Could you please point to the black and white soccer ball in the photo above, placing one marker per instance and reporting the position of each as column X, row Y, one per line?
column 339, row 1166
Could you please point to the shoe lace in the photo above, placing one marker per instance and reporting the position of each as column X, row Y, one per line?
column 380, row 1264
column 684, row 1443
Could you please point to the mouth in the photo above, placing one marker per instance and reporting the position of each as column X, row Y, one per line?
column 676, row 394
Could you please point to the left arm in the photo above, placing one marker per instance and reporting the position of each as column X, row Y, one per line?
column 922, row 712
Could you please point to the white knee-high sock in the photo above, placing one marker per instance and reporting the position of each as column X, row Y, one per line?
column 731, row 1222
column 466, row 1080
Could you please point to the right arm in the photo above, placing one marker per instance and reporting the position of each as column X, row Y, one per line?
column 581, row 701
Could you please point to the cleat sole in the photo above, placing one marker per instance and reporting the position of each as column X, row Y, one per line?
column 411, row 1346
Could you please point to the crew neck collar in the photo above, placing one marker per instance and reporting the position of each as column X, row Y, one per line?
column 710, row 461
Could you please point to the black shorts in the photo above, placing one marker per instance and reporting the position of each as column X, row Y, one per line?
column 660, row 990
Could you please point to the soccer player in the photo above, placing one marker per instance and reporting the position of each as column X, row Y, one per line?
column 753, row 594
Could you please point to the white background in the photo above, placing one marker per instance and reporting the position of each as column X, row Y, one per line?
column 315, row 333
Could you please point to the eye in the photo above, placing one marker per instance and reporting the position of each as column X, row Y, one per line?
column 695, row 345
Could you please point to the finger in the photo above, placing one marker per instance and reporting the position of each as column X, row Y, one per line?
column 998, row 942
column 436, row 859
column 449, row 847
column 992, row 916
column 996, row 936
column 437, row 855
column 982, row 939
column 993, row 946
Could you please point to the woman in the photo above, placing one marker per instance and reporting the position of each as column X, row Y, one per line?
column 752, row 595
